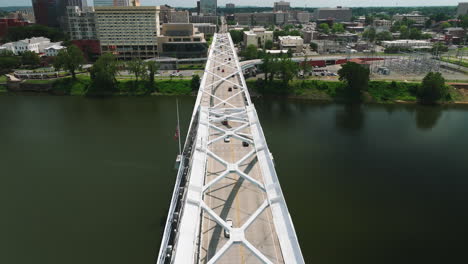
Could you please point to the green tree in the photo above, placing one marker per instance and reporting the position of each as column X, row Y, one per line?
column 8, row 61
column 415, row 33
column 237, row 36
column 464, row 21
column 36, row 30
column 266, row 65
column 30, row 58
column 70, row 59
column 288, row 69
column 268, row 44
column 305, row 66
column 384, row 35
column 313, row 46
column 251, row 52
column 369, row 34
column 103, row 72
column 369, row 20
column 137, row 67
column 325, row 28
column 445, row 25
column 338, row 28
column 356, row 78
column 153, row 68
column 404, row 32
column 438, row 47
column 432, row 88
column 195, row 82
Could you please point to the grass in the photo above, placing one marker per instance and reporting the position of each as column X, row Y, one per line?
column 3, row 79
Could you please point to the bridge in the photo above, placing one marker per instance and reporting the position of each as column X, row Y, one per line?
column 227, row 204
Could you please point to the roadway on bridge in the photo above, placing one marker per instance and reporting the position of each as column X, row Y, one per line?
column 233, row 197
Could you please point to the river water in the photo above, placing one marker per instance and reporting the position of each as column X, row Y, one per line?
column 89, row 180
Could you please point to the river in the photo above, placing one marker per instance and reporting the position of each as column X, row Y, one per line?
column 89, row 180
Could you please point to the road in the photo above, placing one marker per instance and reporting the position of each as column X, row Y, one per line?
column 233, row 197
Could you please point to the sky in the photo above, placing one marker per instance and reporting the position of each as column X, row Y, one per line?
column 269, row 3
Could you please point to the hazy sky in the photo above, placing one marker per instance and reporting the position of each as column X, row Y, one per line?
column 294, row 3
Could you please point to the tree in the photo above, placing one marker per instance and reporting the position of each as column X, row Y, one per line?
column 268, row 44
column 103, row 75
column 195, row 82
column 30, row 58
column 445, row 25
column 237, row 36
column 369, row 34
column 137, row 67
column 404, row 32
column 305, row 66
column 369, row 20
column 356, row 77
column 384, row 35
column 464, row 21
column 288, row 70
column 152, row 67
column 8, row 61
column 18, row 33
column 70, row 59
column 432, row 88
column 266, row 65
column 338, row 28
column 313, row 46
column 415, row 33
column 325, row 28
column 251, row 52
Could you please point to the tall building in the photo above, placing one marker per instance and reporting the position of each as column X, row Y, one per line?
column 208, row 7
column 116, row 2
column 281, row 6
column 82, row 4
column 462, row 9
column 128, row 32
column 339, row 14
column 46, row 12
column 81, row 23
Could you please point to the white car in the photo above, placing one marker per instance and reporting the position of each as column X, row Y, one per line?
column 227, row 233
column 227, row 139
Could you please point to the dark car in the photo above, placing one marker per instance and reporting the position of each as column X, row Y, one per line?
column 245, row 143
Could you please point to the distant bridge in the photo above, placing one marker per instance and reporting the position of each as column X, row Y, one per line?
column 227, row 205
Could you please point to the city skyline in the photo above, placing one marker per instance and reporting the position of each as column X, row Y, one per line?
column 269, row 3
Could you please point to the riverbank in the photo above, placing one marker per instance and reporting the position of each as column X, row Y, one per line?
column 315, row 90
column 124, row 87
column 333, row 91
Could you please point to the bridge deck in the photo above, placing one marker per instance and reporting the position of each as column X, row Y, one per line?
column 229, row 181
column 233, row 197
